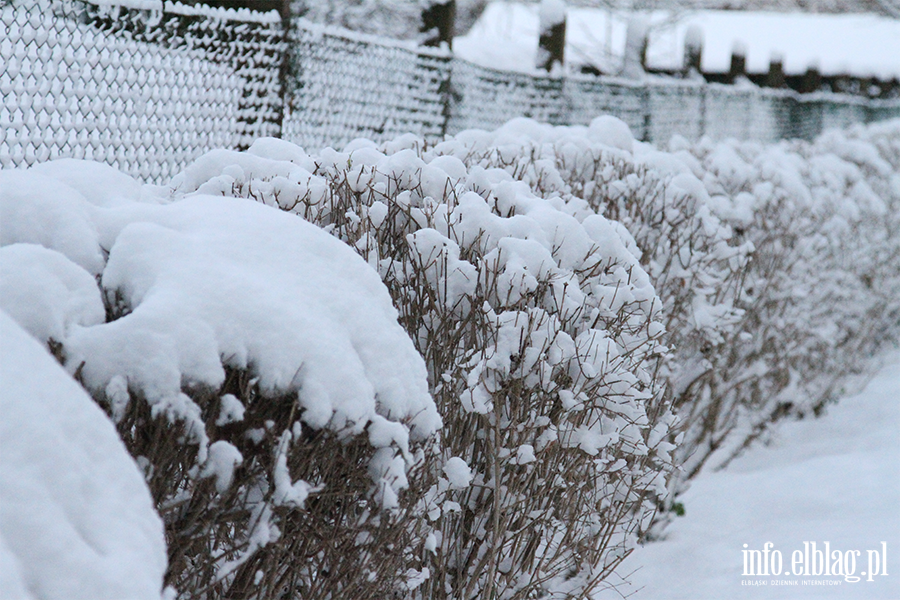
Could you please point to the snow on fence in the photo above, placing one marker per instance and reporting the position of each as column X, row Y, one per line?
column 139, row 84
column 147, row 86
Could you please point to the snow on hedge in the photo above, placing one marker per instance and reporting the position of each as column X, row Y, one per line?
column 774, row 265
column 232, row 330
column 541, row 333
column 586, row 311
column 76, row 518
column 777, row 265
column 207, row 283
column 820, row 294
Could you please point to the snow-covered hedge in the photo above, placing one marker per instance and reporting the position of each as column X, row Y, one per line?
column 582, row 313
column 253, row 365
column 541, row 333
column 820, row 294
column 777, row 265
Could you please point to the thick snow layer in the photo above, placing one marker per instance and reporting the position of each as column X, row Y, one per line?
column 46, row 293
column 835, row 479
column 76, row 518
column 44, row 211
column 550, row 13
column 211, row 279
column 203, row 283
column 100, row 184
column 857, row 44
column 505, row 37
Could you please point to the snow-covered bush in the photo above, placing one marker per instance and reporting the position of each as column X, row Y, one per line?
column 693, row 258
column 591, row 312
column 253, row 365
column 540, row 332
column 76, row 518
column 803, row 224
column 777, row 265
column 819, row 295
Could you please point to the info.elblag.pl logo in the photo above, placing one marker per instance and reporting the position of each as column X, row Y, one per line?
column 814, row 560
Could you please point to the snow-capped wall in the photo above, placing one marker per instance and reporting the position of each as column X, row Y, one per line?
column 346, row 86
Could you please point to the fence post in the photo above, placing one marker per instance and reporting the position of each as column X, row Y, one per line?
column 701, row 119
column 738, row 68
column 891, row 89
column 812, row 80
column 842, row 84
column 552, row 38
column 438, row 18
column 635, row 48
column 285, row 72
column 693, row 52
column 775, row 77
column 870, row 87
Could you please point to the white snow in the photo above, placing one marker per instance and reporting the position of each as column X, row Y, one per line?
column 831, row 479
column 551, row 13
column 46, row 293
column 458, row 473
column 858, row 44
column 505, row 37
column 98, row 183
column 199, row 276
column 44, row 211
column 76, row 518
column 222, row 460
column 636, row 40
column 232, row 410
column 206, row 281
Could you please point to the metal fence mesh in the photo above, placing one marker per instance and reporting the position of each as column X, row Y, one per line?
column 147, row 86
column 349, row 86
column 145, row 90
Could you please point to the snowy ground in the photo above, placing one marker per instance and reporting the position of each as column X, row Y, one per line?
column 834, row 479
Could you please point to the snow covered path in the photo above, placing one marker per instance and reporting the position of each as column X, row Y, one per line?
column 834, row 479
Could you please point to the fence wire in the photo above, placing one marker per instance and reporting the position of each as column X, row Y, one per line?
column 348, row 86
column 147, row 86
column 143, row 88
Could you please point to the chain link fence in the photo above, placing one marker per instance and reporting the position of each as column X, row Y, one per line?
column 149, row 85
column 348, row 85
column 143, row 86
